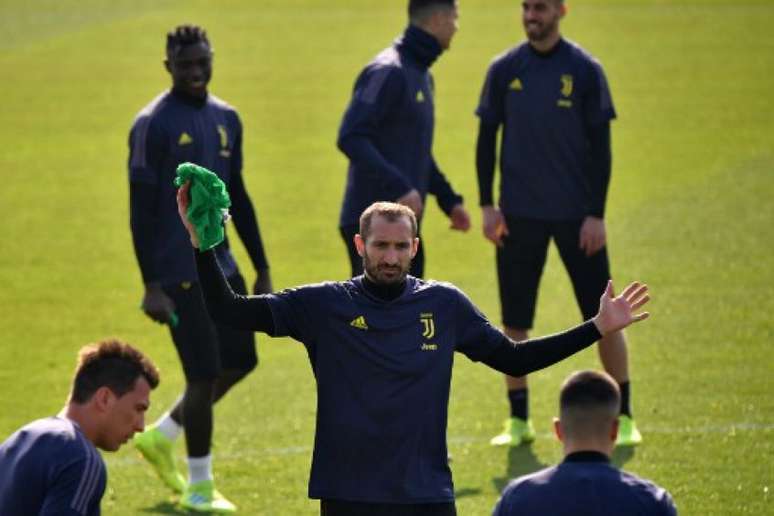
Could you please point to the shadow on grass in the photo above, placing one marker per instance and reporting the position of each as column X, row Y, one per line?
column 622, row 455
column 466, row 491
column 521, row 461
column 167, row 507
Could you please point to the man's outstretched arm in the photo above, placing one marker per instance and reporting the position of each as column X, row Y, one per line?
column 615, row 313
column 521, row 358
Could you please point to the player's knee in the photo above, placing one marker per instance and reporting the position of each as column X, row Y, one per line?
column 199, row 390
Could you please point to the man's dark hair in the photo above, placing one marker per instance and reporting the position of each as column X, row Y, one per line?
column 589, row 402
column 184, row 35
column 389, row 210
column 112, row 364
column 419, row 10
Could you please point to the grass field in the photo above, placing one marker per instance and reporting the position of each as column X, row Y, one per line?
column 690, row 212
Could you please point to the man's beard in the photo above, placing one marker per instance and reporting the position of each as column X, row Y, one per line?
column 383, row 274
column 540, row 32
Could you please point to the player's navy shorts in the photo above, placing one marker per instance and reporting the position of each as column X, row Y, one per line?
column 520, row 264
column 346, row 508
column 206, row 348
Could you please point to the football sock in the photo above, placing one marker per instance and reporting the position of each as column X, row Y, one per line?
column 625, row 392
column 199, row 469
column 169, row 426
column 519, row 400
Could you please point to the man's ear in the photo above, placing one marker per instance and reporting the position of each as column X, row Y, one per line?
column 558, row 429
column 167, row 66
column 414, row 247
column 614, row 430
column 359, row 244
column 103, row 398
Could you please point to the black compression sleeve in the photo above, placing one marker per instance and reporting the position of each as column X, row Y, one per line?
column 600, row 163
column 226, row 307
column 520, row 358
column 486, row 153
column 246, row 223
column 142, row 220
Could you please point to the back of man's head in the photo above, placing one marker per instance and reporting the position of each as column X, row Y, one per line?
column 420, row 10
column 588, row 407
column 113, row 364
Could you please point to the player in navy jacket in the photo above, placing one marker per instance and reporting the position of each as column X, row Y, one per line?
column 188, row 124
column 553, row 103
column 51, row 467
column 387, row 130
column 585, row 482
column 381, row 347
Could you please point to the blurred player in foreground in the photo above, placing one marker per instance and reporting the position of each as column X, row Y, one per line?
column 585, row 482
column 51, row 466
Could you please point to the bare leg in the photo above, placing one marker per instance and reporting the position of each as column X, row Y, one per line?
column 614, row 357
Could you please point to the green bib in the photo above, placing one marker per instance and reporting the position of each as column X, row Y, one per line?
column 208, row 206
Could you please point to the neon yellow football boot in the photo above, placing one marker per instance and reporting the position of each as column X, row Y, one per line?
column 203, row 497
column 515, row 432
column 628, row 435
column 157, row 449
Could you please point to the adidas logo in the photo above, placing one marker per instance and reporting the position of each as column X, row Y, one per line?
column 185, row 139
column 420, row 96
column 359, row 322
column 516, row 85
column 197, row 499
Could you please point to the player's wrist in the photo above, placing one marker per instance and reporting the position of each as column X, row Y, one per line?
column 599, row 325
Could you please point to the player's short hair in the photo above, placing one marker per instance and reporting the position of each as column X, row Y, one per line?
column 391, row 211
column 113, row 364
column 183, row 36
column 589, row 402
column 420, row 10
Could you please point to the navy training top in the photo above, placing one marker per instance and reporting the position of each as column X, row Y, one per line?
column 48, row 467
column 584, row 484
column 383, row 372
column 387, row 129
column 174, row 129
column 546, row 104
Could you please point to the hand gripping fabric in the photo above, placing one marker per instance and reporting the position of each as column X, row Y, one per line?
column 208, row 206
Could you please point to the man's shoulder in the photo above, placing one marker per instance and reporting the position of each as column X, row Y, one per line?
column 222, row 105
column 425, row 284
column 388, row 57
column 52, row 437
column 510, row 55
column 525, row 484
column 153, row 108
column 579, row 54
column 436, row 288
column 646, row 489
column 387, row 63
column 56, row 427
column 319, row 290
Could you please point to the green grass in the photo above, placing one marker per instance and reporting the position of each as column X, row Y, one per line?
column 690, row 212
